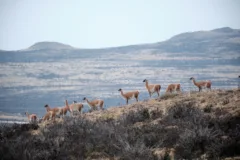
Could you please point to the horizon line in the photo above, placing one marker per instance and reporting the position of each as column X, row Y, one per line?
column 110, row 47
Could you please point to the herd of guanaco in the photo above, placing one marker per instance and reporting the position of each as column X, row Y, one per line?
column 51, row 113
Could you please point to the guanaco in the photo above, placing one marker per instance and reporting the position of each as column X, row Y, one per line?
column 129, row 95
column 152, row 88
column 201, row 84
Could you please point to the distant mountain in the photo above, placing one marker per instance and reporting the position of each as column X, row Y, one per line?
column 214, row 41
column 225, row 30
column 49, row 45
column 217, row 43
column 220, row 34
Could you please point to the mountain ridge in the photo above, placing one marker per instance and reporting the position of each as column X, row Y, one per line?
column 195, row 35
column 213, row 43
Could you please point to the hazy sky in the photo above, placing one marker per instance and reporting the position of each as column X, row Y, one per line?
column 108, row 23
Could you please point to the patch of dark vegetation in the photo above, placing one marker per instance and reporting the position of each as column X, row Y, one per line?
column 168, row 96
column 208, row 108
column 13, row 131
column 185, row 129
column 225, row 101
column 203, row 100
column 157, row 113
column 229, row 91
column 135, row 116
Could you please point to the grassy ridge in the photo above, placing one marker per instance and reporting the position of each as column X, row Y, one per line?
column 181, row 126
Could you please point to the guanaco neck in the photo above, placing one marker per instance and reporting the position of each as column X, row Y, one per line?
column 122, row 93
column 146, row 84
column 194, row 82
column 88, row 101
column 48, row 108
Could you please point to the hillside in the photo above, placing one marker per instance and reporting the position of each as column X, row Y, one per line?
column 183, row 126
column 215, row 43
column 50, row 46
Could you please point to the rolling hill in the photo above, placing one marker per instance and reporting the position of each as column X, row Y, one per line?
column 49, row 45
column 217, row 43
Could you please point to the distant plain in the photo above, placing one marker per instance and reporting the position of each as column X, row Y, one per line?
column 31, row 78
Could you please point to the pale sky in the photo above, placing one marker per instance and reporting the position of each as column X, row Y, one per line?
column 109, row 23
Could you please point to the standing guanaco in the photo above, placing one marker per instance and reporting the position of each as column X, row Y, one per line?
column 75, row 107
column 173, row 87
column 201, row 84
column 59, row 111
column 152, row 88
column 129, row 95
column 94, row 104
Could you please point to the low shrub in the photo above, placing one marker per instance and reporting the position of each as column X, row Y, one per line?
column 184, row 127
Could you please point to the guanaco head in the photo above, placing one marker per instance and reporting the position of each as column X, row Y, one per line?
column 26, row 113
column 191, row 78
column 46, row 106
column 145, row 80
column 74, row 101
column 238, row 76
column 120, row 90
column 84, row 98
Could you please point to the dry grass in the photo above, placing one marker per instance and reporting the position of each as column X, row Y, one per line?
column 200, row 125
